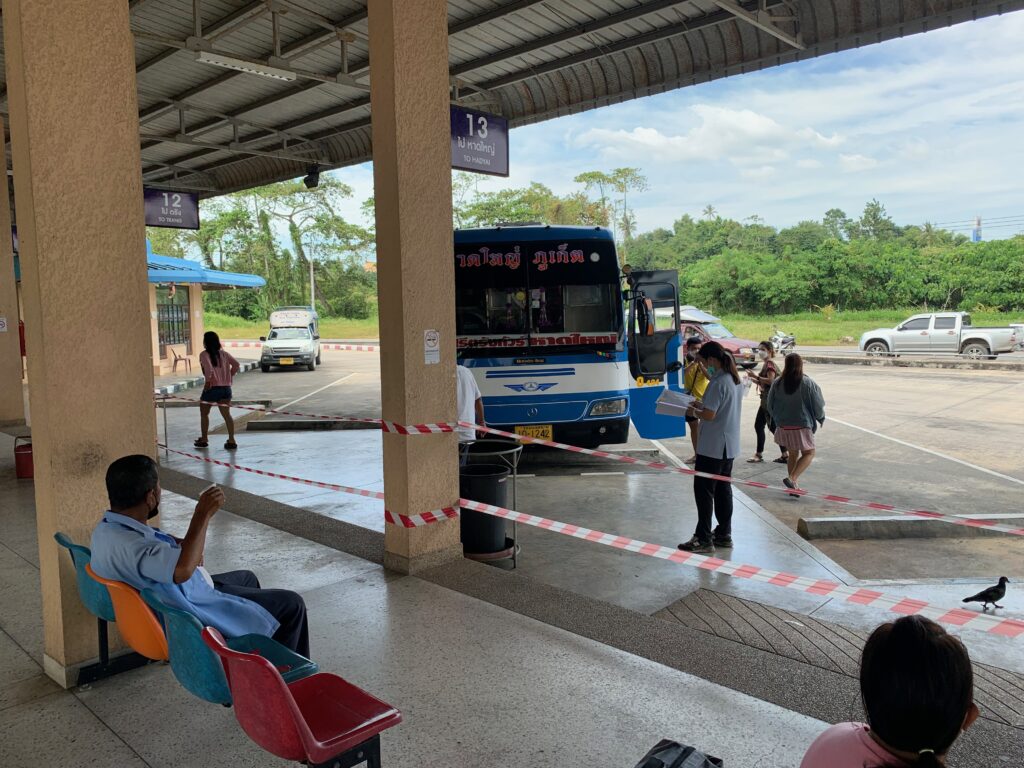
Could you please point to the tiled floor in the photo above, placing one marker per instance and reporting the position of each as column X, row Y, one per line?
column 479, row 685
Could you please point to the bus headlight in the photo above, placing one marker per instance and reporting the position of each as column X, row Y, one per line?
column 609, row 407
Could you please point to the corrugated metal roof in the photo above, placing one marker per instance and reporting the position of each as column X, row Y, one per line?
column 529, row 60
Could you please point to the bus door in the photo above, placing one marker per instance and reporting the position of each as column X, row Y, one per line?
column 653, row 343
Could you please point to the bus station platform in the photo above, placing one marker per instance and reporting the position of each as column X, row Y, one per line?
column 509, row 668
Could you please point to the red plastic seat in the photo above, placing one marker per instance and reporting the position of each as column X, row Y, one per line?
column 321, row 719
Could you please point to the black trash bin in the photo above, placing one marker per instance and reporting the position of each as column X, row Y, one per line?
column 486, row 483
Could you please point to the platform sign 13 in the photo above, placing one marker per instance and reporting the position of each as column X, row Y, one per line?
column 479, row 142
column 168, row 208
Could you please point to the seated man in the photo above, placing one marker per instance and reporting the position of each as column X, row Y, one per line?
column 126, row 548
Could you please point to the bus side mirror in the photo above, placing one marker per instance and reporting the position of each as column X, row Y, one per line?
column 673, row 367
column 263, row 338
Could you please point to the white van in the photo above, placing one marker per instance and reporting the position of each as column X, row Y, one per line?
column 294, row 339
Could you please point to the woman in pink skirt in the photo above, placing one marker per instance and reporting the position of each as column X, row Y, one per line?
column 798, row 409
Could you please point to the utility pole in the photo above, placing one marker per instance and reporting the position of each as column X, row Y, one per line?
column 312, row 287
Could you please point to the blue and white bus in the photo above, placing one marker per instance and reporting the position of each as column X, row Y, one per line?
column 540, row 322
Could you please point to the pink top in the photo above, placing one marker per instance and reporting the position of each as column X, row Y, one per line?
column 221, row 375
column 849, row 745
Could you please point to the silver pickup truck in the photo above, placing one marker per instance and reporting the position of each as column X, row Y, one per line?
column 939, row 333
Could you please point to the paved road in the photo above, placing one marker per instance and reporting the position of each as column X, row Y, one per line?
column 947, row 440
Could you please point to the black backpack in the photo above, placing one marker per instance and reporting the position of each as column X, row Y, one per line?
column 672, row 754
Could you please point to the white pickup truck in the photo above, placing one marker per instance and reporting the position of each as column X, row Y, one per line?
column 939, row 333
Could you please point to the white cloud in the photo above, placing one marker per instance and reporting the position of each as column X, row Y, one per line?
column 740, row 136
column 927, row 124
column 856, row 163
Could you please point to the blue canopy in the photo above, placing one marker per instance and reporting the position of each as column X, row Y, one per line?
column 168, row 269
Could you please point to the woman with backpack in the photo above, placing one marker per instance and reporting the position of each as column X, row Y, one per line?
column 797, row 407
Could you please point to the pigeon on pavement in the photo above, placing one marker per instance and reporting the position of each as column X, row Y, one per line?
column 990, row 595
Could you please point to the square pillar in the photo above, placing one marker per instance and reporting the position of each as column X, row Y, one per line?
column 12, row 406
column 75, row 142
column 415, row 270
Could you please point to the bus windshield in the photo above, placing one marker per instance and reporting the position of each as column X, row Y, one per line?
column 537, row 295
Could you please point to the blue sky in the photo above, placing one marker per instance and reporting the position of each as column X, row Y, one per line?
column 931, row 125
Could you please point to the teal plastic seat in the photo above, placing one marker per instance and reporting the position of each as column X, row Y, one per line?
column 200, row 671
column 94, row 595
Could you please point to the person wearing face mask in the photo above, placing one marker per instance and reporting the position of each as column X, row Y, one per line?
column 695, row 382
column 719, row 412
column 126, row 548
column 769, row 372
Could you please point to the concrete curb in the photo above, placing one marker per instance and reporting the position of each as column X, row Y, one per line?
column 900, row 362
column 897, row 527
column 197, row 381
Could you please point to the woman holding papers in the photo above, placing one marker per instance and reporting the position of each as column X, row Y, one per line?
column 717, row 446
column 796, row 404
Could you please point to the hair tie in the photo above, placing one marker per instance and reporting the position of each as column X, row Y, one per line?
column 926, row 751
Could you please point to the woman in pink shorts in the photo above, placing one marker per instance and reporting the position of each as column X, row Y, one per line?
column 797, row 407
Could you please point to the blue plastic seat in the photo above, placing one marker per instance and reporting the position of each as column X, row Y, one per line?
column 200, row 671
column 94, row 596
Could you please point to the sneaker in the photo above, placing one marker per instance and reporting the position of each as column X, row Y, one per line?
column 697, row 546
column 720, row 540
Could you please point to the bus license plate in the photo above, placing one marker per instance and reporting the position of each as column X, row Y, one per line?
column 539, row 431
column 286, row 361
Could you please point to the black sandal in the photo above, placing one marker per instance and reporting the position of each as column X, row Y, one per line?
column 231, row 445
column 781, row 460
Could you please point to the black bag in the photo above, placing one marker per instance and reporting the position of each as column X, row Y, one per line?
column 672, row 754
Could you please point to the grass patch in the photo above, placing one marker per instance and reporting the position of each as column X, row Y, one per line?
column 812, row 329
column 228, row 327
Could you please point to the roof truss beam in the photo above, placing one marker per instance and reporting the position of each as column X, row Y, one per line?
column 766, row 22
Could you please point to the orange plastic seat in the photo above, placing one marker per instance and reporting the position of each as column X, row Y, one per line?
column 137, row 624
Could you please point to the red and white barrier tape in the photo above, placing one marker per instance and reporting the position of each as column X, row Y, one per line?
column 387, row 426
column 407, row 521
column 958, row 617
column 661, row 466
column 347, row 347
column 426, row 429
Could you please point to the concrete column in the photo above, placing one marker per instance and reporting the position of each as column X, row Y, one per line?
column 75, row 141
column 12, row 406
column 415, row 272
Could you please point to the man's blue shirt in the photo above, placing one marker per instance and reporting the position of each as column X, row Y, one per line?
column 145, row 557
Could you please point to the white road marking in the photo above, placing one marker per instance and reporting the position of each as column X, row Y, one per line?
column 315, row 391
column 929, row 451
column 670, row 456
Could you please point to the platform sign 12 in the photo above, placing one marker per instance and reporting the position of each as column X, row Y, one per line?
column 479, row 142
column 168, row 208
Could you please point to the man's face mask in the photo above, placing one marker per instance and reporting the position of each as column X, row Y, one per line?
column 156, row 504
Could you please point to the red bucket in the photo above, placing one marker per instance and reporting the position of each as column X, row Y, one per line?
column 23, row 467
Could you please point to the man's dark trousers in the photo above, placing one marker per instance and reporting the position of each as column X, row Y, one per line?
column 284, row 605
column 713, row 496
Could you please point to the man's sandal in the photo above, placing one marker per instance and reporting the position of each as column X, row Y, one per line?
column 200, row 443
column 755, row 460
column 231, row 445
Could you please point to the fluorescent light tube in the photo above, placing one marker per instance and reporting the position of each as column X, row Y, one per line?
column 241, row 65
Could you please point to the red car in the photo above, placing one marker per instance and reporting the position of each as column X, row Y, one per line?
column 695, row 322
